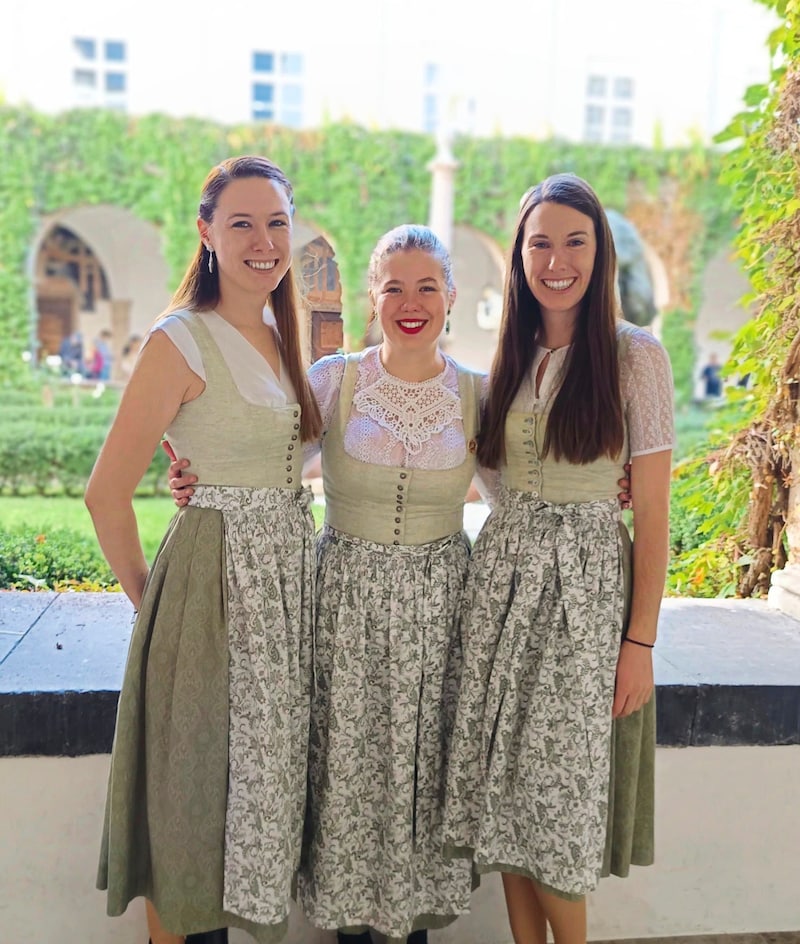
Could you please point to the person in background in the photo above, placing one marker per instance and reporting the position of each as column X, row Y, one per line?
column 711, row 375
column 71, row 352
column 130, row 352
column 207, row 788
column 550, row 779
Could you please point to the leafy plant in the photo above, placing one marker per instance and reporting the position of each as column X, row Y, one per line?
column 56, row 560
column 763, row 174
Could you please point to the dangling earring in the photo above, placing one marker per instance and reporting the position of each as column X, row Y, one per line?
column 447, row 323
column 210, row 259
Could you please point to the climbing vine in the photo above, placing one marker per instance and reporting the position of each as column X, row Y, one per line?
column 751, row 459
column 350, row 182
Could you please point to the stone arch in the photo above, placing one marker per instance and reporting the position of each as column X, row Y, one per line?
column 317, row 275
column 131, row 279
column 478, row 269
column 721, row 313
column 662, row 295
column 117, row 281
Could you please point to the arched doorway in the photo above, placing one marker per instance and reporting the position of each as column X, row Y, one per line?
column 319, row 282
column 474, row 321
column 69, row 280
column 97, row 269
column 101, row 268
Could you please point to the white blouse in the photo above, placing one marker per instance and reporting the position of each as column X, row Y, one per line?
column 645, row 382
column 254, row 378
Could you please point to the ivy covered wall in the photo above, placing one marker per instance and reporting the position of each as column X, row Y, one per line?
column 350, row 182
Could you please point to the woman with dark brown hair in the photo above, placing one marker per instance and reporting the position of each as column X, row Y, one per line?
column 557, row 634
column 207, row 789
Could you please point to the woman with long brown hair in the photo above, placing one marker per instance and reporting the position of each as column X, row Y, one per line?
column 557, row 627
column 208, row 777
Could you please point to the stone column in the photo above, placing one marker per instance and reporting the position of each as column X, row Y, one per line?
column 443, row 169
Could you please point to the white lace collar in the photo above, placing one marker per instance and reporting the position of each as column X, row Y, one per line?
column 412, row 411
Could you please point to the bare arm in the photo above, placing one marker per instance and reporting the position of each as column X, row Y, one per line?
column 161, row 381
column 650, row 481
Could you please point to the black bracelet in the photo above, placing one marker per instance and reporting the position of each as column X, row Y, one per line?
column 647, row 645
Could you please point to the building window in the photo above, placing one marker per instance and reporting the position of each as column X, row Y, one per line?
column 623, row 88
column 431, row 73
column 621, row 118
column 86, row 48
column 595, row 120
column 263, row 93
column 115, row 81
column 596, row 86
column 430, row 113
column 263, row 99
column 292, row 95
column 263, row 62
column 115, row 51
column 621, row 121
column 606, row 118
column 291, row 63
column 291, row 118
column 85, row 78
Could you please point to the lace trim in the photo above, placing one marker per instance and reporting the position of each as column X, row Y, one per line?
column 413, row 412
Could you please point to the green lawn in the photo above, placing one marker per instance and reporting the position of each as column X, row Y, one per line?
column 153, row 515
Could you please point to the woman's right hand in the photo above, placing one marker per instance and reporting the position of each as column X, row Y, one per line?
column 179, row 482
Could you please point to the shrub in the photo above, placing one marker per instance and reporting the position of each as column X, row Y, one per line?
column 51, row 450
column 57, row 560
column 677, row 335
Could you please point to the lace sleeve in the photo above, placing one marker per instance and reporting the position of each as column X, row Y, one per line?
column 647, row 394
column 325, row 377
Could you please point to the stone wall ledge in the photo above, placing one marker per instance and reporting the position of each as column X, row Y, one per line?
column 727, row 672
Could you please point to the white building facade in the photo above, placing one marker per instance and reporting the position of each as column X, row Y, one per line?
column 624, row 71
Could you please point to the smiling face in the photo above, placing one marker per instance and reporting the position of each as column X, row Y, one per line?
column 411, row 299
column 251, row 235
column 558, row 253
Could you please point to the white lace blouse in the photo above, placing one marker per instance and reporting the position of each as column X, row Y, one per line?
column 645, row 381
column 416, row 425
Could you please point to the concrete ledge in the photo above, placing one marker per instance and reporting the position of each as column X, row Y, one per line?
column 727, row 672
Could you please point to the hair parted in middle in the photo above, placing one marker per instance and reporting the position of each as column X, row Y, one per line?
column 585, row 420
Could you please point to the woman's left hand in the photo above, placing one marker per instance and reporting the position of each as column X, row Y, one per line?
column 625, row 498
column 634, row 682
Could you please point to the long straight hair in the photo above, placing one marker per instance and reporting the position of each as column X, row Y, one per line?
column 199, row 289
column 585, row 421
